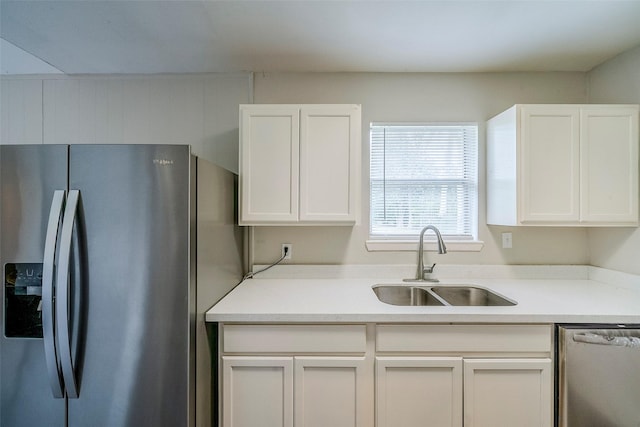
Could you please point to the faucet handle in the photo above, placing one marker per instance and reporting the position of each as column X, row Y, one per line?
column 429, row 269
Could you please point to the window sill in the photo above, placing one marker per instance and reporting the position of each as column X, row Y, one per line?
column 431, row 246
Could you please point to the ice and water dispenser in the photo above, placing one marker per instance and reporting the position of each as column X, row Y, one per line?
column 23, row 300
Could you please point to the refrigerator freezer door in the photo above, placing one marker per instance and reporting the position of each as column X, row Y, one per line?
column 131, row 316
column 29, row 175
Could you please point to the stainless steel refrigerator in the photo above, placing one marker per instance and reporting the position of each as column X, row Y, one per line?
column 99, row 314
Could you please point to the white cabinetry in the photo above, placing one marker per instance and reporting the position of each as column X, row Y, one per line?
column 416, row 391
column 258, row 391
column 330, row 391
column 496, row 375
column 442, row 375
column 306, row 386
column 564, row 165
column 508, row 392
column 299, row 164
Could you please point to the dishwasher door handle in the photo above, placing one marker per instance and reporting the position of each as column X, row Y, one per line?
column 603, row 339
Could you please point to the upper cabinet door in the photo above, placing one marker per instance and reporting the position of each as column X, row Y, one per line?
column 609, row 164
column 299, row 164
column 269, row 162
column 329, row 162
column 549, row 159
column 563, row 165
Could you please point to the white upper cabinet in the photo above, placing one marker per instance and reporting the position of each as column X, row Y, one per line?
column 269, row 159
column 609, row 164
column 299, row 164
column 563, row 165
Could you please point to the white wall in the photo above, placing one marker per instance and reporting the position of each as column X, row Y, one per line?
column 219, row 268
column 201, row 110
column 422, row 97
column 616, row 81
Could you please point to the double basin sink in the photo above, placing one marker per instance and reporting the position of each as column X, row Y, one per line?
column 439, row 295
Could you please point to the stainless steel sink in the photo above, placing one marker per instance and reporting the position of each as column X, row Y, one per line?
column 470, row 296
column 452, row 295
column 405, row 295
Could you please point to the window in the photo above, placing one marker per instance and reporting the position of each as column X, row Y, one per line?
column 424, row 174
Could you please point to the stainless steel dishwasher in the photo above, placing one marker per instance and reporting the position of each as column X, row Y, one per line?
column 598, row 381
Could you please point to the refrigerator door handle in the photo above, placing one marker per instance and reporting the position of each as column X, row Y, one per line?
column 62, row 305
column 48, row 295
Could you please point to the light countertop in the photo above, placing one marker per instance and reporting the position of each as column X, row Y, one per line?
column 594, row 296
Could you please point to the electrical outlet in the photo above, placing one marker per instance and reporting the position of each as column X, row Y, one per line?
column 286, row 248
column 507, row 240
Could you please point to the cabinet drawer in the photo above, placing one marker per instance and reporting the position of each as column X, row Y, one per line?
column 465, row 338
column 294, row 338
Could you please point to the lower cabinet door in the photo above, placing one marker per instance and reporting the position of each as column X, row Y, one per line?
column 419, row 391
column 508, row 392
column 332, row 392
column 257, row 391
column 265, row 391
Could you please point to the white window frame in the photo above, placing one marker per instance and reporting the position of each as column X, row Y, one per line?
column 408, row 242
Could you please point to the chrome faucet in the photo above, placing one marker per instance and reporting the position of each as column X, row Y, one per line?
column 422, row 270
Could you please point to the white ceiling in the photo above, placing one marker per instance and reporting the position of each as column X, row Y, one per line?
column 148, row 36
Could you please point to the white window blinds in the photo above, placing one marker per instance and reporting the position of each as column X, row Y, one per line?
column 423, row 174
